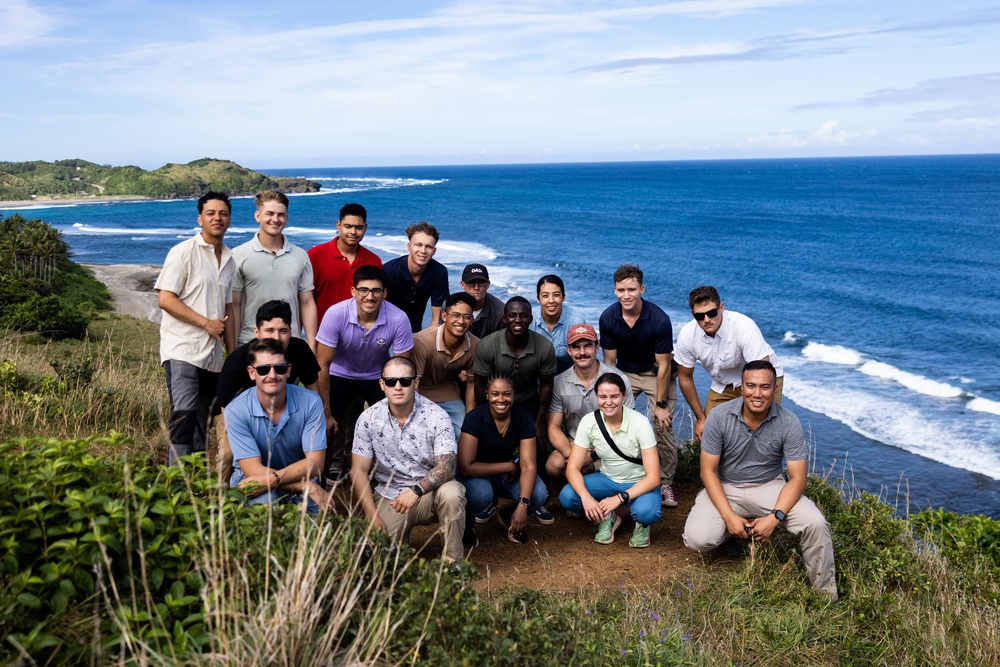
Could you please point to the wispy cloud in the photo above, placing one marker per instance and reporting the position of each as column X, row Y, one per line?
column 828, row 134
column 22, row 23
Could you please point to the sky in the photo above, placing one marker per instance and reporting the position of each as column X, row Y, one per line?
column 381, row 82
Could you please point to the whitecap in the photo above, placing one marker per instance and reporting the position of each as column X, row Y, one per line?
column 832, row 354
column 911, row 381
column 793, row 338
column 980, row 404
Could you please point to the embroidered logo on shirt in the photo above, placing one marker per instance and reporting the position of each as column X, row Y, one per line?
column 381, row 342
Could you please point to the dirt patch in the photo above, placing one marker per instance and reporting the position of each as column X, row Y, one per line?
column 131, row 287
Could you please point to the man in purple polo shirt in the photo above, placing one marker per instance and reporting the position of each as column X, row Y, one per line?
column 353, row 341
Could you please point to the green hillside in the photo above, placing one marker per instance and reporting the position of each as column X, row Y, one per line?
column 79, row 178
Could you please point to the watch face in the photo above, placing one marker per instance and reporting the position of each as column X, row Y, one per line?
column 779, row 515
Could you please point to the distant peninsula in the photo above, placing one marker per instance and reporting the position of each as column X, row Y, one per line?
column 83, row 180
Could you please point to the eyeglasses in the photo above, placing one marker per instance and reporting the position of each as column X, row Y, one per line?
column 708, row 313
column 265, row 369
column 365, row 291
column 403, row 382
column 459, row 317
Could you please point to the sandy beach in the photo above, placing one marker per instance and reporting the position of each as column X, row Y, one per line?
column 56, row 201
column 131, row 286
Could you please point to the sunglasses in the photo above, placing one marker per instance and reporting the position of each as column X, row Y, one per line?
column 708, row 313
column 403, row 382
column 265, row 369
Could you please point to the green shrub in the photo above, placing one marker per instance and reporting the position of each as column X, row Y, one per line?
column 48, row 315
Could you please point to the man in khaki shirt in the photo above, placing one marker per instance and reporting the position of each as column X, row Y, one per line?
column 195, row 294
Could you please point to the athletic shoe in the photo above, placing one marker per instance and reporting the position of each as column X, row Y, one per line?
column 543, row 516
column 487, row 514
column 505, row 515
column 607, row 527
column 469, row 539
column 667, row 497
column 640, row 537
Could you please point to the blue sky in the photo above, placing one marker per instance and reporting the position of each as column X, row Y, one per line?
column 381, row 82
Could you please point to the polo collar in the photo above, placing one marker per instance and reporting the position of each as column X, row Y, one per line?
column 257, row 246
column 380, row 319
column 529, row 347
column 291, row 405
column 439, row 340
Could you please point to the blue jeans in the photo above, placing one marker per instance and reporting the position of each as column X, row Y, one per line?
column 455, row 410
column 479, row 492
column 645, row 509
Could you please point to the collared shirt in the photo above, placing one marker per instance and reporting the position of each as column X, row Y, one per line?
column 723, row 355
column 300, row 429
column 489, row 319
column 361, row 352
column 491, row 446
column 403, row 454
column 634, row 435
column 574, row 399
column 411, row 297
column 558, row 334
column 333, row 274
column 235, row 379
column 264, row 276
column 205, row 286
column 438, row 369
column 638, row 345
column 748, row 456
column 537, row 359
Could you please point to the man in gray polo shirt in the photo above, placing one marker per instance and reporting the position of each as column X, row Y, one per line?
column 574, row 395
column 746, row 495
column 269, row 267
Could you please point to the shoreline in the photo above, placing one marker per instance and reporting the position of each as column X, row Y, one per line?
column 131, row 287
column 48, row 201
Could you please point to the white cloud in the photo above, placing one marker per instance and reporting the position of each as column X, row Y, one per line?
column 22, row 23
column 828, row 134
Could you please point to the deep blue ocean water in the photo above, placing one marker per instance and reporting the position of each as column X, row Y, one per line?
column 876, row 280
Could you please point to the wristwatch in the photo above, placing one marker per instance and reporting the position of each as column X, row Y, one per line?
column 662, row 404
column 524, row 501
column 624, row 496
column 417, row 489
column 778, row 514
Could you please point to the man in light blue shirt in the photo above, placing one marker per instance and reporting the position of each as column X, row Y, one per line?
column 277, row 433
column 552, row 318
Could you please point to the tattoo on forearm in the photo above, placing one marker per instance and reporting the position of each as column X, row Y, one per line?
column 443, row 470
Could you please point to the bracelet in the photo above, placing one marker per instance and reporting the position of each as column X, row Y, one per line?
column 277, row 480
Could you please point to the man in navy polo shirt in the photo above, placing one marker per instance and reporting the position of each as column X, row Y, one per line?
column 636, row 336
column 355, row 338
column 418, row 277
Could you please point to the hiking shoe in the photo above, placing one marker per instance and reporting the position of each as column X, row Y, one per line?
column 640, row 537
column 505, row 516
column 469, row 539
column 607, row 527
column 487, row 513
column 543, row 516
column 667, row 497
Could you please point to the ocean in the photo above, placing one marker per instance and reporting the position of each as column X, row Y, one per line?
column 876, row 280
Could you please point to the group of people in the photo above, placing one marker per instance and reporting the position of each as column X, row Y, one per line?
column 491, row 402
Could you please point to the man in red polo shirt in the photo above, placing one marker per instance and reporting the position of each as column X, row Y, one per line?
column 335, row 262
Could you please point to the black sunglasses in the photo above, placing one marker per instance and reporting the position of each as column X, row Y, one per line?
column 708, row 313
column 265, row 369
column 403, row 382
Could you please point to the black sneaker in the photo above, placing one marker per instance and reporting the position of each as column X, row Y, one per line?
column 469, row 539
column 505, row 516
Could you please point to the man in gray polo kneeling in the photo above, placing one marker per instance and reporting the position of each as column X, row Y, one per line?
column 746, row 495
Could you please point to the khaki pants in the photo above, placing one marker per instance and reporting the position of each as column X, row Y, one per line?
column 224, row 459
column 731, row 392
column 666, row 441
column 705, row 528
column 444, row 505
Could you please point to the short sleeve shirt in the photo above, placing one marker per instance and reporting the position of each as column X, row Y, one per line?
column 559, row 332
column 333, row 274
column 235, row 379
column 493, row 447
column 723, row 355
column 403, row 454
column 538, row 358
column 634, row 435
column 264, row 276
column 637, row 346
column 747, row 456
column 574, row 399
column 300, row 429
column 361, row 352
column 411, row 297
column 205, row 286
column 437, row 369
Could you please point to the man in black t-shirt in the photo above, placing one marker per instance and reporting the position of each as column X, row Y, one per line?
column 416, row 278
column 273, row 321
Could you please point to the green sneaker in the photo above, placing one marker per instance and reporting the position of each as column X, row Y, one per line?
column 607, row 527
column 640, row 537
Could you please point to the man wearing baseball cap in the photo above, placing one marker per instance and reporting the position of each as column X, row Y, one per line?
column 488, row 314
column 574, row 395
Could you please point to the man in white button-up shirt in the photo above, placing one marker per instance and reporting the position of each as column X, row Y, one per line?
column 723, row 341
column 195, row 294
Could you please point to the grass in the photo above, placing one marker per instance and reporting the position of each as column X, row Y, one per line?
column 279, row 588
